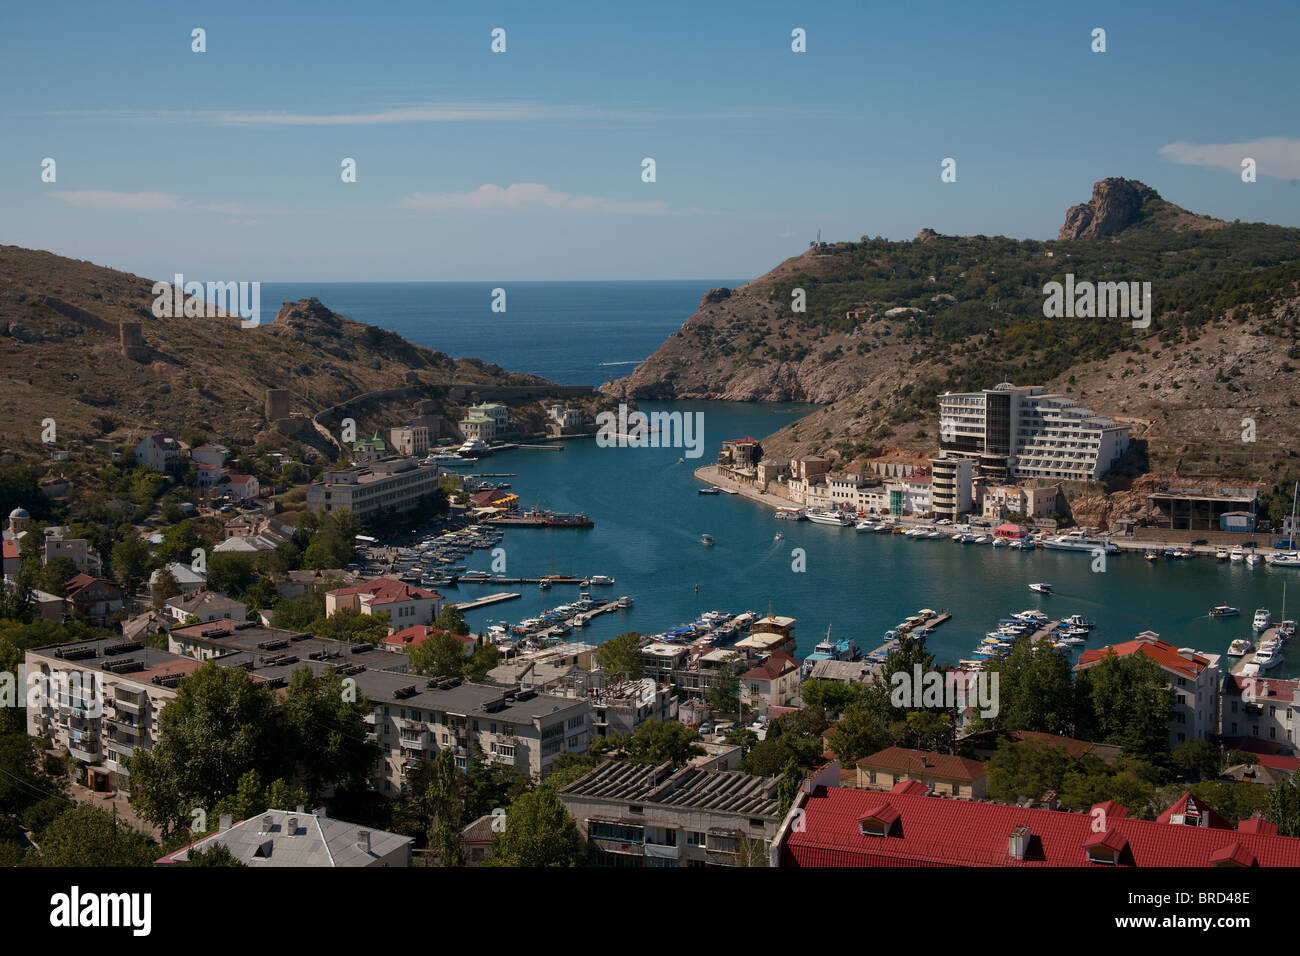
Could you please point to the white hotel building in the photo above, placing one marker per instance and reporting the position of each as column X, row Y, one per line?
column 1017, row 432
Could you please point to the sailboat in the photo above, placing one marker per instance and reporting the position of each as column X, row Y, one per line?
column 1290, row 558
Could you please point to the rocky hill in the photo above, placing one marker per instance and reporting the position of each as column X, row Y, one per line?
column 79, row 343
column 890, row 325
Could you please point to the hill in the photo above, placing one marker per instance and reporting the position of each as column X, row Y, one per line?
column 888, row 326
column 69, row 351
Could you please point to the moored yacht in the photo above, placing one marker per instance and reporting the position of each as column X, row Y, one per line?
column 1263, row 618
column 474, row 448
column 1239, row 648
column 1077, row 541
column 1237, row 555
column 1268, row 654
column 829, row 517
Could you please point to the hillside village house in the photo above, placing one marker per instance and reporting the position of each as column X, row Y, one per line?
column 159, row 452
column 12, row 558
column 1003, row 500
column 477, row 427
column 243, row 487
column 1192, row 676
column 942, row 774
column 187, row 579
column 209, row 464
column 406, row 604
column 738, row 459
column 297, row 839
column 76, row 550
column 95, row 599
column 408, row 637
column 399, row 484
column 206, row 606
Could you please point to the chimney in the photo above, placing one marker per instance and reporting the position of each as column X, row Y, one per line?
column 292, row 828
column 266, row 823
column 363, row 841
column 1018, row 842
column 225, row 822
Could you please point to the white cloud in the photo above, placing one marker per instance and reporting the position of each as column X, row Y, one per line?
column 1275, row 156
column 524, row 196
column 108, row 201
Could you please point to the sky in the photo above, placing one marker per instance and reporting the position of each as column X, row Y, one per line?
column 527, row 164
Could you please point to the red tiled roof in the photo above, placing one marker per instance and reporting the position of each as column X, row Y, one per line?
column 388, row 591
column 1260, row 688
column 901, row 760
column 417, row 635
column 1164, row 654
column 10, row 549
column 1257, row 825
column 777, row 663
column 936, row 831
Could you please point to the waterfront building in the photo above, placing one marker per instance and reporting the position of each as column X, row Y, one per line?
column 772, row 469
column 738, row 459
column 910, row 495
column 942, row 774
column 409, row 440
column 809, row 466
column 844, row 491
column 837, row 826
column 1198, row 509
column 478, row 427
column 1261, row 709
column 1192, row 676
column 396, row 484
column 1020, row 432
column 951, row 487
column 1003, row 500
column 404, row 603
column 498, row 413
column 298, row 839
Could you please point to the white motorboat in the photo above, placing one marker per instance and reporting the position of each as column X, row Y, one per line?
column 1224, row 610
column 866, row 524
column 1078, row 620
column 474, row 448
column 1033, row 615
column 1237, row 555
column 1078, row 541
column 1268, row 654
column 999, row 542
column 1283, row 559
column 1263, row 618
column 829, row 517
column 1239, row 648
column 600, row 579
column 1253, row 559
column 1041, row 587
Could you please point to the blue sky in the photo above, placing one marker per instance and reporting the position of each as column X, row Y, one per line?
column 527, row 164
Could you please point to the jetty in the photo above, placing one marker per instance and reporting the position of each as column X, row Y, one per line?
column 487, row 601
column 931, row 623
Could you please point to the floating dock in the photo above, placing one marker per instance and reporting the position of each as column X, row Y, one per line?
column 487, row 601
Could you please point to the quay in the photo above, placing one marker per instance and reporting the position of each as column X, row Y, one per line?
column 550, row 578
column 487, row 601
column 581, row 620
column 932, row 623
column 1246, row 663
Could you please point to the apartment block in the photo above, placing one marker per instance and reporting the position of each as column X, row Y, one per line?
column 397, row 484
column 1019, row 432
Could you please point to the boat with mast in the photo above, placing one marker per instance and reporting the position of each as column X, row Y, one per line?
column 1289, row 558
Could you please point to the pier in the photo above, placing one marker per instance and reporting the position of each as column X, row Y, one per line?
column 487, row 601
column 1246, row 663
column 932, row 623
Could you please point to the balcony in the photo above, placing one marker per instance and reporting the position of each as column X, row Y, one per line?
column 663, row 851
column 129, row 705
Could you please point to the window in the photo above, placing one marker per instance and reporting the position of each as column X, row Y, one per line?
column 755, row 823
column 694, row 838
column 598, row 830
column 722, row 844
column 634, row 808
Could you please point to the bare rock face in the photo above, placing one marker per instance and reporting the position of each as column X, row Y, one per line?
column 715, row 295
column 1116, row 204
column 925, row 235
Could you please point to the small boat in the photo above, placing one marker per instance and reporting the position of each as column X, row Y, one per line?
column 705, row 539
column 1152, row 556
column 778, row 536
column 999, row 542
column 1287, row 628
column 866, row 524
column 1253, row 559
column 1221, row 554
column 1071, row 640
column 600, row 579
column 829, row 517
column 1263, row 618
column 625, row 601
column 1224, row 610
column 1078, row 620
column 1239, row 648
column 475, row 576
column 1023, row 544
column 1031, row 616
column 934, row 535
column 1041, row 587
column 709, row 491
column 1237, row 555
column 544, row 584
column 790, row 514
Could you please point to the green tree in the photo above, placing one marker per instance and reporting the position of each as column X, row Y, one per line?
column 85, row 836
column 215, row 855
column 441, row 654
column 621, row 657
column 326, row 732
column 857, row 734
column 1196, row 760
column 1127, row 701
column 219, row 726
column 230, row 573
column 352, row 626
column 538, row 832
column 723, row 695
column 1036, row 690
column 166, row 587
column 484, row 658
column 451, row 619
column 1027, row 769
column 445, row 799
column 653, row 742
column 131, row 561
column 1283, row 806
column 832, row 695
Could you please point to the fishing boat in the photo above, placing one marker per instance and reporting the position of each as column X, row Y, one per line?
column 1263, row 618
column 1224, row 610
column 1240, row 647
column 1041, row 587
column 829, row 517
column 705, row 539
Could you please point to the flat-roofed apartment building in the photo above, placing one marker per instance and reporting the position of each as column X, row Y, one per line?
column 366, row 489
column 413, row 718
column 1021, row 432
column 631, row 815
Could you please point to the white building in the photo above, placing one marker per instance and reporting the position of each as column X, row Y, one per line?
column 409, row 440
column 951, row 487
column 159, row 452
column 499, row 414
column 1192, row 676
column 1020, row 432
column 393, row 483
column 1262, row 709
column 406, row 604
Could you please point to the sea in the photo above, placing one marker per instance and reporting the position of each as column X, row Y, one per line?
column 649, row 517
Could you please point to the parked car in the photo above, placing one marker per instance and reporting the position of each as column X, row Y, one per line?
column 706, row 728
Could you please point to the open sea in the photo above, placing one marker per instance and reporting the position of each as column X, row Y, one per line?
column 649, row 517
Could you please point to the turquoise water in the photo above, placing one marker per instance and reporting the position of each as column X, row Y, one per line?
column 649, row 516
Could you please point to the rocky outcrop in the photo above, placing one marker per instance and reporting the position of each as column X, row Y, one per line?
column 1116, row 204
